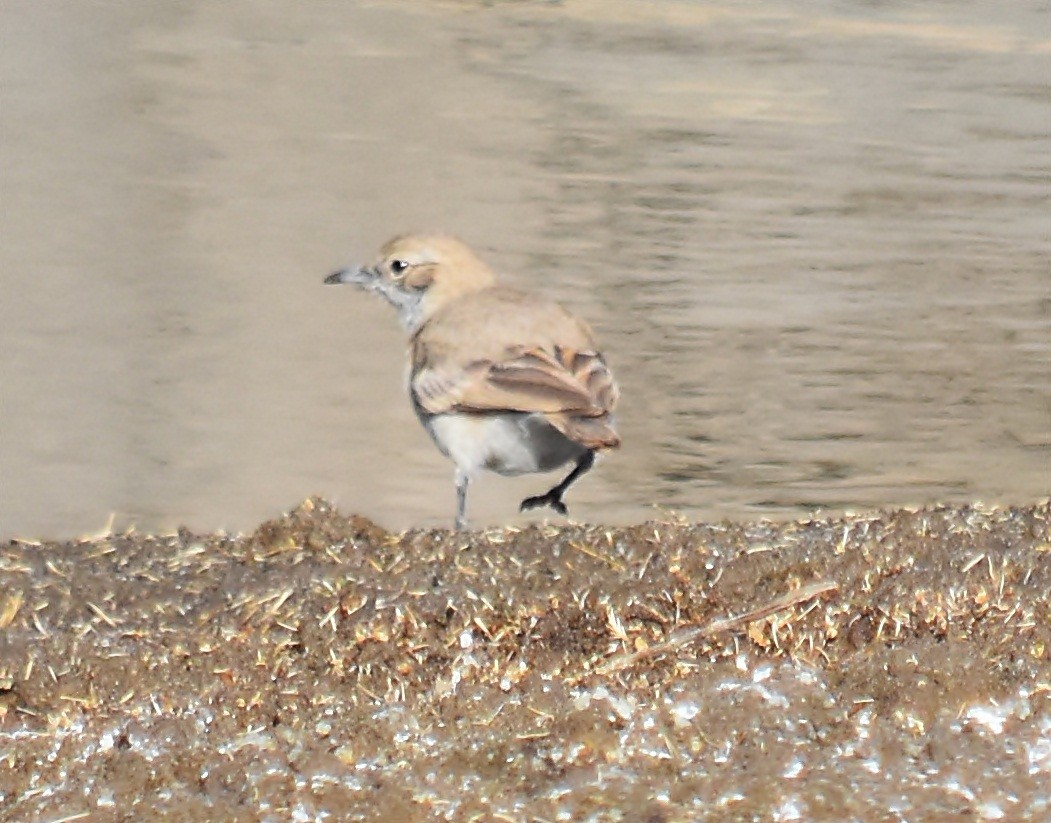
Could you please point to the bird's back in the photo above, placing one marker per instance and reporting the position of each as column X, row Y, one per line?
column 489, row 323
column 530, row 354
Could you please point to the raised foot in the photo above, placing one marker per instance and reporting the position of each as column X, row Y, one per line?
column 552, row 498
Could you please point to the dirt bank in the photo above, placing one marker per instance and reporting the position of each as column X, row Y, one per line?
column 887, row 666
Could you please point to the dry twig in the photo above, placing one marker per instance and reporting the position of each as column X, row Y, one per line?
column 684, row 637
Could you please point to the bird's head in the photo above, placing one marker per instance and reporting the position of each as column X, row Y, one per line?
column 418, row 274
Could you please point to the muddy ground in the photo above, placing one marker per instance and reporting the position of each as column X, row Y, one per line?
column 889, row 666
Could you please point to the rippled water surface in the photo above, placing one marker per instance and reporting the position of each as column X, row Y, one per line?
column 814, row 241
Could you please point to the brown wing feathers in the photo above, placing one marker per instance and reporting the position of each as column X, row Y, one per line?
column 574, row 389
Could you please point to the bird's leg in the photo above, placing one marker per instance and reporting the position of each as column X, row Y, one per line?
column 553, row 497
column 463, row 479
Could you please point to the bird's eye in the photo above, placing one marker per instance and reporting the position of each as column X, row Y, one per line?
column 398, row 266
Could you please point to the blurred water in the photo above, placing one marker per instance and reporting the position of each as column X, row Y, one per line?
column 814, row 242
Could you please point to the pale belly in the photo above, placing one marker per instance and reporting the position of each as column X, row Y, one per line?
column 508, row 444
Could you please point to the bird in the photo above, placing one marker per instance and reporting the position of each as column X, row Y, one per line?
column 502, row 379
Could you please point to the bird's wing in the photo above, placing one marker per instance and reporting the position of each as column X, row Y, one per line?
column 526, row 380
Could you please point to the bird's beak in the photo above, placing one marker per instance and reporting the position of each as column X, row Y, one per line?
column 356, row 275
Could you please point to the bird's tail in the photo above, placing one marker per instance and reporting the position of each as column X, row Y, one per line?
column 592, row 432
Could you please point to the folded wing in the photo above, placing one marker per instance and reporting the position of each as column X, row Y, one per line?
column 574, row 390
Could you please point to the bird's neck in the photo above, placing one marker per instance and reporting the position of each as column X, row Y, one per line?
column 416, row 313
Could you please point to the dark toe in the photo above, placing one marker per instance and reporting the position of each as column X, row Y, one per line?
column 544, row 500
column 531, row 503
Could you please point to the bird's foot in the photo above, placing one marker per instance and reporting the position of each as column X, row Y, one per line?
column 553, row 498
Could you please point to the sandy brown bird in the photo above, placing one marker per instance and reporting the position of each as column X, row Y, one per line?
column 501, row 379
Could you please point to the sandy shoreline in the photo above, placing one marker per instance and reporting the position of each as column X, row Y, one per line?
column 323, row 666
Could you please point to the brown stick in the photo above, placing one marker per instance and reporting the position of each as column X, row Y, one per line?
column 683, row 637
